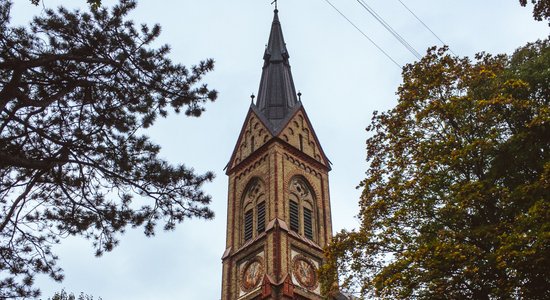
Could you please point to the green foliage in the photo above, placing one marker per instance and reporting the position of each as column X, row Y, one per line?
column 455, row 204
column 541, row 10
column 64, row 296
column 76, row 90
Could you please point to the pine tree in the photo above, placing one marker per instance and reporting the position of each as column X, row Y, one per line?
column 76, row 88
column 63, row 295
column 92, row 3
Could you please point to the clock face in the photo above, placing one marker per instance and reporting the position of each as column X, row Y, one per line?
column 252, row 274
column 305, row 272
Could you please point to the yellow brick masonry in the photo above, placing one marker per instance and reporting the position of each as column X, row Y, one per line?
column 275, row 161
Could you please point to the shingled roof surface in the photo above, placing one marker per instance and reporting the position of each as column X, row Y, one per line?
column 277, row 94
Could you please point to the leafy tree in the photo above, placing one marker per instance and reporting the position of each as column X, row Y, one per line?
column 76, row 89
column 455, row 204
column 541, row 10
column 64, row 296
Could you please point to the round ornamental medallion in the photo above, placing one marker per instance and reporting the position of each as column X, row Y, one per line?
column 251, row 274
column 305, row 272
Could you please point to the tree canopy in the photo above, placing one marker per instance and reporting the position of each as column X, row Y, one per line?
column 541, row 9
column 76, row 90
column 455, row 203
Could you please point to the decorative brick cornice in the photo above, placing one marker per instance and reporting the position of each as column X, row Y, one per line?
column 260, row 152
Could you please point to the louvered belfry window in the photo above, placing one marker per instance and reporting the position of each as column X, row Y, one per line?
column 254, row 213
column 301, row 208
column 261, row 217
column 308, row 224
column 294, row 217
column 248, row 223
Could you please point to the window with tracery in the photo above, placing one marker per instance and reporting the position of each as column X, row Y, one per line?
column 254, row 212
column 301, row 203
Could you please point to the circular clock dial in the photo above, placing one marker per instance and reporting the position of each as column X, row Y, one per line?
column 252, row 274
column 305, row 272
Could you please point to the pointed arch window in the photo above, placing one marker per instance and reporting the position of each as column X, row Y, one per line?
column 254, row 213
column 301, row 208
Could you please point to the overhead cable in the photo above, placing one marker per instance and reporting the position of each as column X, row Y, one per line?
column 427, row 27
column 364, row 34
column 390, row 29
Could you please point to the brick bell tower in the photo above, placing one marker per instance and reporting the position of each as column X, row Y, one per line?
column 278, row 217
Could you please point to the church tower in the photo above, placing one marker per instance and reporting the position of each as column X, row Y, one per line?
column 278, row 202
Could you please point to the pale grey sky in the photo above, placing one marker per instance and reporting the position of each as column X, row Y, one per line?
column 343, row 79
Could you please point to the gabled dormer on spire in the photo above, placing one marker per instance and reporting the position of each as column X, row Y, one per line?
column 277, row 94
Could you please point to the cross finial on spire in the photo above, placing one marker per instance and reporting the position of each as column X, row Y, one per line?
column 274, row 2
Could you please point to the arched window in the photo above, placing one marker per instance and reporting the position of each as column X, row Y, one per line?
column 301, row 209
column 254, row 210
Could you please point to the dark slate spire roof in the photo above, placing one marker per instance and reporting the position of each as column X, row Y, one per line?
column 277, row 94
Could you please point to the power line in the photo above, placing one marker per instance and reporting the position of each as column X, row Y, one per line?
column 427, row 27
column 364, row 34
column 390, row 29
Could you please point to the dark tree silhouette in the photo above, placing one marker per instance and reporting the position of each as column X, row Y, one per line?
column 75, row 90
column 541, row 9
column 93, row 3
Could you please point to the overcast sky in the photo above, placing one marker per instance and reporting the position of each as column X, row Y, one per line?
column 343, row 79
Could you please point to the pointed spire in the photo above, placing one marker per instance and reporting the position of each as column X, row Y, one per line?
column 277, row 94
column 276, row 47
